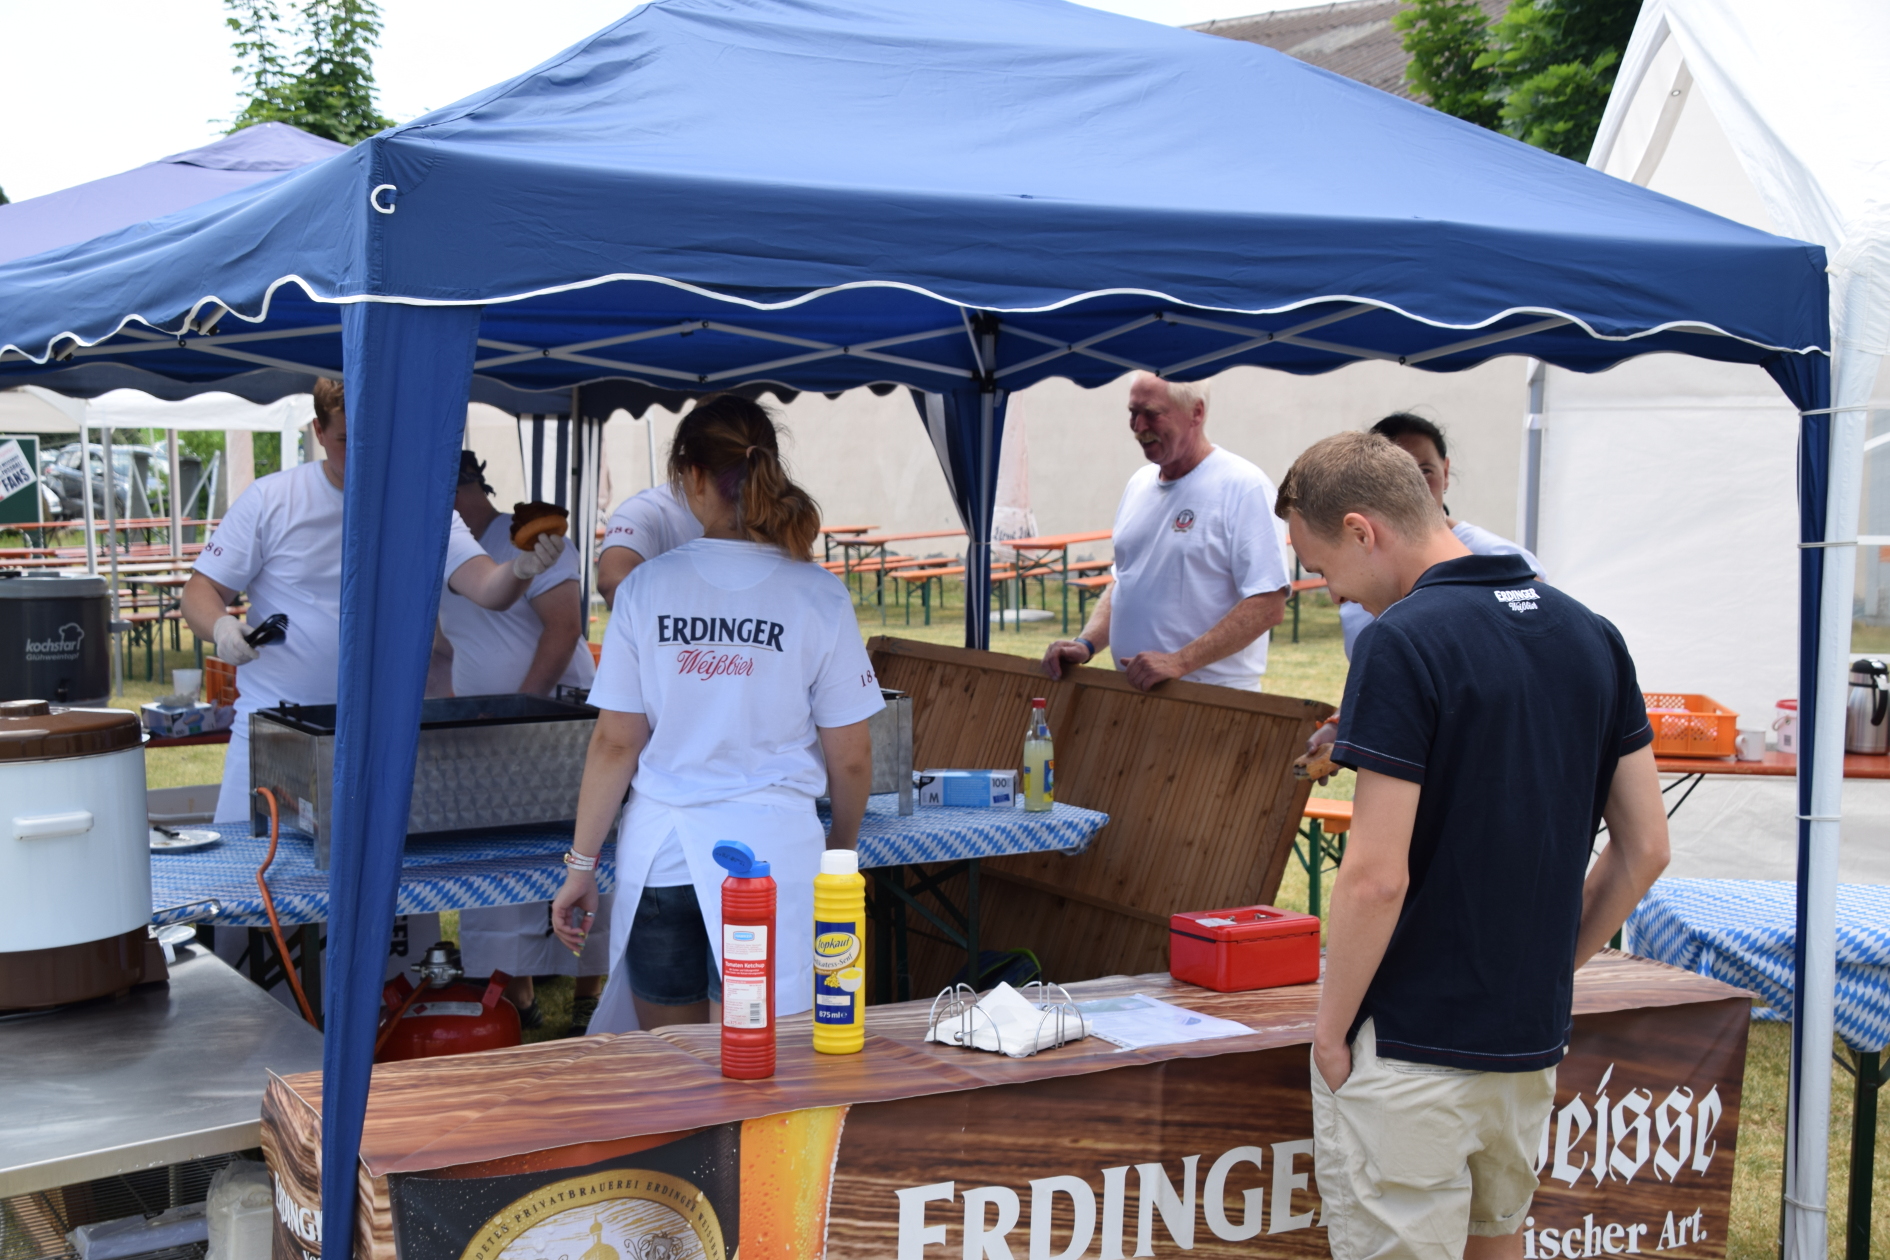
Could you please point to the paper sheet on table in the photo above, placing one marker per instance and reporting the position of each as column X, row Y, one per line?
column 1139, row 1020
column 1006, row 1022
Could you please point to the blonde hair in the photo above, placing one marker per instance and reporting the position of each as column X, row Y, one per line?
column 733, row 440
column 1358, row 472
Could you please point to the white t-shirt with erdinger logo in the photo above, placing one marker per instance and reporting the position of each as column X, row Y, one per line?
column 1187, row 551
column 736, row 654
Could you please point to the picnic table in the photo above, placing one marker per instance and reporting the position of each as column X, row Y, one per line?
column 1776, row 765
column 874, row 547
column 506, row 867
column 828, row 532
column 1745, row 932
column 1048, row 546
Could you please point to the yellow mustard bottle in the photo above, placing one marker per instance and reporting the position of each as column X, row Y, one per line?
column 839, row 954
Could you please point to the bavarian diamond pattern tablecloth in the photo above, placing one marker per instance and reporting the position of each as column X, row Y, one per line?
column 1742, row 931
column 512, row 867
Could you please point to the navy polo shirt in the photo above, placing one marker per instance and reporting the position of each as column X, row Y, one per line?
column 1510, row 703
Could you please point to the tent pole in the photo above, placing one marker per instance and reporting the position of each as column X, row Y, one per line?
column 177, row 514
column 1807, row 1171
column 111, row 553
column 649, row 432
column 85, row 496
column 1529, row 501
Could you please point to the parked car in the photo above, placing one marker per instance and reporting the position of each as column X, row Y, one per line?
column 139, row 480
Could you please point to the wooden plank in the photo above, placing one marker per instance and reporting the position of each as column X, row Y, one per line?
column 1196, row 780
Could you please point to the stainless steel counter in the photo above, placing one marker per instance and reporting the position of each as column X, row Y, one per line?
column 170, row 1073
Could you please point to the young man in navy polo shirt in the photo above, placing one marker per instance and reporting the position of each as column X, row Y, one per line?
column 1494, row 723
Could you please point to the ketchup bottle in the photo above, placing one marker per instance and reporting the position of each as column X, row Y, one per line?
column 747, row 963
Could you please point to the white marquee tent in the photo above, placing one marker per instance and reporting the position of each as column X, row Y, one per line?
column 1662, row 488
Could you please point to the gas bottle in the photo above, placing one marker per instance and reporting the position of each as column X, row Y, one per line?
column 445, row 1016
column 839, row 954
column 747, row 963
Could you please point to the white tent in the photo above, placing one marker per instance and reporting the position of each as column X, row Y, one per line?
column 1663, row 494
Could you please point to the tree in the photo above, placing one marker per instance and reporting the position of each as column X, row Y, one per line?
column 1541, row 72
column 1446, row 40
column 327, row 87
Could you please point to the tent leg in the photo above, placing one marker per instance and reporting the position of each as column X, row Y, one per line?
column 409, row 374
column 1820, row 797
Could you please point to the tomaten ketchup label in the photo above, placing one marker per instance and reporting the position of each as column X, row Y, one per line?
column 744, row 975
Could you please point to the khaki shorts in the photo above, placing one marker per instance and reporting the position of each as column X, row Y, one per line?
column 1413, row 1158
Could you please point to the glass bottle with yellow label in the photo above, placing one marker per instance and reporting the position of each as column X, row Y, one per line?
column 839, row 954
column 1040, row 761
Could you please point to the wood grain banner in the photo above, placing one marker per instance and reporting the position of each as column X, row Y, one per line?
column 1214, row 1156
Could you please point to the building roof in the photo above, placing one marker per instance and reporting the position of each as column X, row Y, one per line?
column 1354, row 38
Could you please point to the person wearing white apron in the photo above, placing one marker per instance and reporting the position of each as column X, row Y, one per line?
column 735, row 688
column 281, row 543
column 533, row 646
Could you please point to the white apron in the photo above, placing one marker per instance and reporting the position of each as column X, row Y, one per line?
column 233, row 798
column 788, row 837
column 518, row 941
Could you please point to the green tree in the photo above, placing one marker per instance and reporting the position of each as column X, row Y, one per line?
column 1447, row 40
column 327, row 86
column 1541, row 72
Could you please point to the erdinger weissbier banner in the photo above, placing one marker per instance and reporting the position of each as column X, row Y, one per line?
column 1206, row 1156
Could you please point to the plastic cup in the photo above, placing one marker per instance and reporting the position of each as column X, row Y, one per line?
column 186, row 682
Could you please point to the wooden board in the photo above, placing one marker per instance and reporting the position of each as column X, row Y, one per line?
column 1196, row 780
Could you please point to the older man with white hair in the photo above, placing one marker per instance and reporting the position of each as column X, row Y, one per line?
column 1200, row 571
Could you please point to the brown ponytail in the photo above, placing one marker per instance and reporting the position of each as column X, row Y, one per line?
column 733, row 440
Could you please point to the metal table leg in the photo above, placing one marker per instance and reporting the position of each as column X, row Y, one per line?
column 972, row 967
column 1867, row 1067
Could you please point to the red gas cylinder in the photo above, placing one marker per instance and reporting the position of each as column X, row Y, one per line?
column 444, row 1016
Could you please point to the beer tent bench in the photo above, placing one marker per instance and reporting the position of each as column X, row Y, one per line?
column 626, row 212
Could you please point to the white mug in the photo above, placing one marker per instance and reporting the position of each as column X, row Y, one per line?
column 1750, row 746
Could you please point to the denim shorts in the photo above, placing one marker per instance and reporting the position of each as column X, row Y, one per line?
column 671, row 963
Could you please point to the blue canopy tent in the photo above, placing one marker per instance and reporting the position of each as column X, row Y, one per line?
column 960, row 199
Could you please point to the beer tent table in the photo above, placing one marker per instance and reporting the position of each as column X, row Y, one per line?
column 964, row 201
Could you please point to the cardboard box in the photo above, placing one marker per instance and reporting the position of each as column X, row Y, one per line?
column 966, row 789
column 1251, row 947
column 198, row 719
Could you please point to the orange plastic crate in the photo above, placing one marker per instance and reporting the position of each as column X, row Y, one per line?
column 1690, row 726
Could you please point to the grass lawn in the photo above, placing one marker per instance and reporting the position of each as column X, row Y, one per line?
column 1314, row 668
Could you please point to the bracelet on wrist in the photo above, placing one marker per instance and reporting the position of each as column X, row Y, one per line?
column 578, row 862
column 1087, row 646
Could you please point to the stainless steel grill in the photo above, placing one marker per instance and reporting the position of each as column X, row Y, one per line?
column 483, row 761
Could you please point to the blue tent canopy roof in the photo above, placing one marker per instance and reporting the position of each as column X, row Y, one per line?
column 157, row 188
column 843, row 175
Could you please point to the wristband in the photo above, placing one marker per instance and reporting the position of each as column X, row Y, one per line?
column 578, row 862
column 1087, row 646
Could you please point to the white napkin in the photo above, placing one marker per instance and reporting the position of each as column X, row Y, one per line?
column 1004, row 1021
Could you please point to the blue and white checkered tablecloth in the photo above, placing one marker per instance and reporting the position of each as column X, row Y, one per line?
column 1742, row 931
column 511, row 867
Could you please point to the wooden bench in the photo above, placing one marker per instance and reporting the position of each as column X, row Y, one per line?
column 1088, row 588
column 1327, row 822
column 923, row 578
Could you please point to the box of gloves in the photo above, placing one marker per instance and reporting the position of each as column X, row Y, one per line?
column 167, row 720
column 966, row 789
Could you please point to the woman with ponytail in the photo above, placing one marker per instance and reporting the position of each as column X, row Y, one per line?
column 733, row 689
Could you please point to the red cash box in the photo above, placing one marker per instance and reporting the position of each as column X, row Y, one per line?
column 1252, row 947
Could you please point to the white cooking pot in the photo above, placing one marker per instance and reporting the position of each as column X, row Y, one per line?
column 75, row 853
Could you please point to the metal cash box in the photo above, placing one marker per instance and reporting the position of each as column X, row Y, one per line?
column 483, row 761
column 891, row 729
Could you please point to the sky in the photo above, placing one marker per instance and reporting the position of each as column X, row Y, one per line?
column 94, row 87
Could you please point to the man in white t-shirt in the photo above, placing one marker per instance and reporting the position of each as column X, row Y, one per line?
column 1200, row 568
column 643, row 527
column 533, row 646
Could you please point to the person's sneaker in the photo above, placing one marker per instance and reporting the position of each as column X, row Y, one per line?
column 581, row 1011
column 530, row 1016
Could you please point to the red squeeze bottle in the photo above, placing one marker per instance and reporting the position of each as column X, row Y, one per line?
column 747, row 963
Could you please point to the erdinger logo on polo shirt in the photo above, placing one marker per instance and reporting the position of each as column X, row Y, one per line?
column 1184, row 520
column 1519, row 601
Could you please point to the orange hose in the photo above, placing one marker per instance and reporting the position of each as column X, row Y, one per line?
column 269, row 908
column 425, row 984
